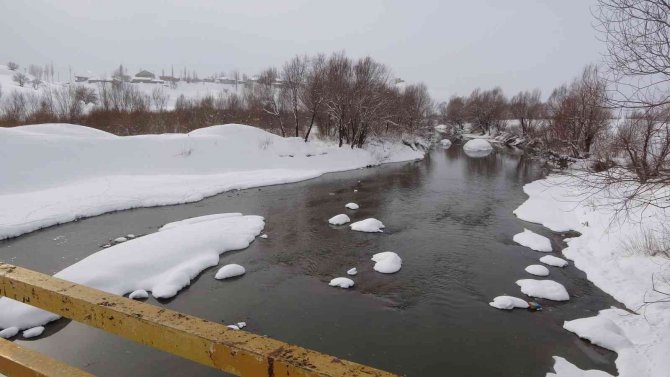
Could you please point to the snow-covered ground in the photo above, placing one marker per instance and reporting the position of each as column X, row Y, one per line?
column 56, row 173
column 191, row 91
column 641, row 335
column 162, row 263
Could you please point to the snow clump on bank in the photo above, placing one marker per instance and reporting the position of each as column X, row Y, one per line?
column 341, row 282
column 368, row 225
column 548, row 289
column 508, row 303
column 339, row 219
column 229, row 271
column 533, row 240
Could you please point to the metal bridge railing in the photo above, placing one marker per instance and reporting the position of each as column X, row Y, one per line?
column 205, row 342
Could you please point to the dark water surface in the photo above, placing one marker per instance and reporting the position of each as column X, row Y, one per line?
column 450, row 219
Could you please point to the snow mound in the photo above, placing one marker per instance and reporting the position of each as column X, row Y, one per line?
column 537, row 270
column 563, row 368
column 553, row 261
column 446, row 143
column 138, row 294
column 341, row 282
column 477, row 145
column 9, row 332
column 264, row 236
column 508, row 303
column 229, row 271
column 533, row 240
column 600, row 331
column 352, row 271
column 368, row 225
column 387, row 262
column 548, row 289
column 163, row 263
column 339, row 219
column 33, row 332
column 352, row 206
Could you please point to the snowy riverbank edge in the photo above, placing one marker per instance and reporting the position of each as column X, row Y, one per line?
column 640, row 336
column 57, row 173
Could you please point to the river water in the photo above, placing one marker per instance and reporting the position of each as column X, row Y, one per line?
column 450, row 219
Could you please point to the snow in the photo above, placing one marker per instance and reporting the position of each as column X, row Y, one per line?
column 368, row 225
column 508, row 302
column 564, row 203
column 9, row 332
column 533, row 240
column 563, row 368
column 339, row 219
column 477, row 145
column 163, row 262
column 233, row 327
column 387, row 262
column 446, row 143
column 352, row 206
column 120, row 239
column 138, row 294
column 57, row 173
column 229, row 271
column 241, row 325
column 33, row 332
column 264, row 236
column 352, row 271
column 537, row 270
column 341, row 282
column 553, row 261
column 600, row 331
column 548, row 289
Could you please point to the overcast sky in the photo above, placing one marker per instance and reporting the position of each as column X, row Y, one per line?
column 453, row 46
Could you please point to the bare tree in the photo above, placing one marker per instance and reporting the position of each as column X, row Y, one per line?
column 454, row 112
column 20, row 78
column 645, row 139
column 263, row 95
column 36, row 71
column 293, row 74
column 578, row 113
column 313, row 94
column 637, row 35
column 526, row 107
column 12, row 66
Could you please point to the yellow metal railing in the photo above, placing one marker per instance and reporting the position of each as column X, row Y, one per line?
column 208, row 343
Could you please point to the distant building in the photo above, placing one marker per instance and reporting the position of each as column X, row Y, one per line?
column 168, row 78
column 225, row 80
column 145, row 74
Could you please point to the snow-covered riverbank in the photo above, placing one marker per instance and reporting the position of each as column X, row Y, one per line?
column 640, row 336
column 56, row 173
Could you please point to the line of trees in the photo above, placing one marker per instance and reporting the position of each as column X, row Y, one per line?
column 349, row 100
column 569, row 122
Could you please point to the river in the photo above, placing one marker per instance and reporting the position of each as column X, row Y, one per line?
column 450, row 219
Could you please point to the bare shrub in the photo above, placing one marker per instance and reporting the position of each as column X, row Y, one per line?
column 486, row 109
column 12, row 66
column 160, row 98
column 20, row 78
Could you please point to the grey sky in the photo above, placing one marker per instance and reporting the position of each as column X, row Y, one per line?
column 453, row 46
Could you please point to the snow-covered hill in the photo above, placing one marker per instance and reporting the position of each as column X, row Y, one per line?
column 56, row 173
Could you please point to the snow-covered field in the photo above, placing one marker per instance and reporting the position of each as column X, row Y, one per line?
column 56, row 173
column 191, row 91
column 641, row 335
